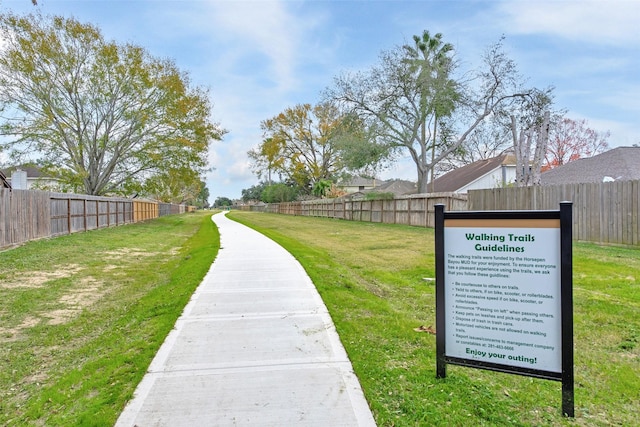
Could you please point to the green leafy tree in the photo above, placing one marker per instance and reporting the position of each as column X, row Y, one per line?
column 202, row 201
column 321, row 188
column 414, row 103
column 280, row 192
column 254, row 192
column 222, row 202
column 180, row 186
column 103, row 116
column 301, row 145
column 361, row 151
column 430, row 59
column 267, row 158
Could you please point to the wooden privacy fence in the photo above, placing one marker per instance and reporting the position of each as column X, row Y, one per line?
column 28, row 214
column 24, row 215
column 172, row 209
column 417, row 210
column 602, row 212
column 70, row 213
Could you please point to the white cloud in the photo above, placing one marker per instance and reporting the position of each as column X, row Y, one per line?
column 591, row 21
column 259, row 31
column 240, row 170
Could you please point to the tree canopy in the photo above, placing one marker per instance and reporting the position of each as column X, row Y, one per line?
column 415, row 104
column 105, row 117
column 571, row 140
column 301, row 145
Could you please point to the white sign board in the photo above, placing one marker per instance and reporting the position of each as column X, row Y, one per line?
column 502, row 292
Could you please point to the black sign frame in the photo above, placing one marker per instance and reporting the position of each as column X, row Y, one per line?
column 566, row 376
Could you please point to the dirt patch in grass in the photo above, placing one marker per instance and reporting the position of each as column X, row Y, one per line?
column 77, row 299
column 37, row 279
column 127, row 254
column 85, row 292
column 12, row 334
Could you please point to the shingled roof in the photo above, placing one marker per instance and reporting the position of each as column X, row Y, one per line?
column 398, row 187
column 620, row 164
column 461, row 177
column 32, row 171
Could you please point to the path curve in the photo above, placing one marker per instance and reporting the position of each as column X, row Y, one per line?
column 255, row 346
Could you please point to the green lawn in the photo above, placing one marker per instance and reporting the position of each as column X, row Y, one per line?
column 372, row 278
column 81, row 316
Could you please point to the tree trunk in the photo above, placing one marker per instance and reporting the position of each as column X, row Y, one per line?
column 423, row 185
column 529, row 165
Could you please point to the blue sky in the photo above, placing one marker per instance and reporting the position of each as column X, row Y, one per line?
column 259, row 57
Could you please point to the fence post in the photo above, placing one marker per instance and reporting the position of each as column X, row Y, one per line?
column 395, row 210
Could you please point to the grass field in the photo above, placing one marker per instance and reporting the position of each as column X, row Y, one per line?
column 81, row 316
column 372, row 278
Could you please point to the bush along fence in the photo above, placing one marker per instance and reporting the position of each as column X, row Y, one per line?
column 29, row 214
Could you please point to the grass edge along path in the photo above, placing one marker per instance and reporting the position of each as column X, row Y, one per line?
column 371, row 277
column 82, row 370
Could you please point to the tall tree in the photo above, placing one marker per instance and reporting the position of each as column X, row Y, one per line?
column 104, row 116
column 529, row 123
column 411, row 91
column 267, row 158
column 301, row 145
column 570, row 140
column 430, row 59
column 530, row 145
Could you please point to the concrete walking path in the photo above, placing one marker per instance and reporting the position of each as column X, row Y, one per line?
column 255, row 346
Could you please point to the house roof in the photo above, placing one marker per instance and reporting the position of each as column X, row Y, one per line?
column 32, row 171
column 358, row 181
column 398, row 187
column 462, row 176
column 621, row 164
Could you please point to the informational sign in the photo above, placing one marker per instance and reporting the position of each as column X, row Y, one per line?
column 504, row 293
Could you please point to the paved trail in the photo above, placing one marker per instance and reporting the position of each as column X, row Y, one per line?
column 254, row 347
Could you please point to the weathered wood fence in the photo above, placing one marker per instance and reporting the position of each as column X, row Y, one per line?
column 602, row 212
column 28, row 214
column 416, row 210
